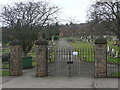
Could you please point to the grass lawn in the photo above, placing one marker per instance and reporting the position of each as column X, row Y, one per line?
column 113, row 60
column 82, row 45
column 5, row 50
column 33, row 63
column 116, row 74
column 110, row 43
column 86, row 54
column 85, row 50
column 5, row 66
column 4, row 73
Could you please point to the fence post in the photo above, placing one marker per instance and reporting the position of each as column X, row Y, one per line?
column 15, row 58
column 41, row 58
column 100, row 57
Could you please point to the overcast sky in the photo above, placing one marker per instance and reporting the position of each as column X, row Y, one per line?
column 76, row 9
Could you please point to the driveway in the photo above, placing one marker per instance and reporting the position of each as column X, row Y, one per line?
column 28, row 80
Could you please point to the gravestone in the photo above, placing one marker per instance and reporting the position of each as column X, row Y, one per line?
column 108, row 48
column 112, row 52
column 116, row 54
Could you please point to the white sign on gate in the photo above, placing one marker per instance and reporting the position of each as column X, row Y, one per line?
column 75, row 53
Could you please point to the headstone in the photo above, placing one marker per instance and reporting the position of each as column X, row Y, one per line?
column 0, row 45
column 116, row 55
column 54, row 43
column 112, row 52
column 108, row 48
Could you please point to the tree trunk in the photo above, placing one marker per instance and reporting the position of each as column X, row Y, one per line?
column 25, row 52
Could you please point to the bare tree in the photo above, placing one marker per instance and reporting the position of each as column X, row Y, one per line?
column 26, row 19
column 31, row 13
column 108, row 12
column 73, row 22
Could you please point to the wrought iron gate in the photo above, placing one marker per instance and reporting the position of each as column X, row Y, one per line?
column 113, row 64
column 71, row 62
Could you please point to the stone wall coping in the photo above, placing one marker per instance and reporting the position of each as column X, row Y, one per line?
column 15, row 42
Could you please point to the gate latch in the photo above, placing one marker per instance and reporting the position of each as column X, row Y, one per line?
column 69, row 62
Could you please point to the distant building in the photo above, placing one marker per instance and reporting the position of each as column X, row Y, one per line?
column 70, row 30
column 81, row 30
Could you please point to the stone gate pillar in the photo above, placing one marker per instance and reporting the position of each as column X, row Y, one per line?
column 15, row 58
column 41, row 58
column 100, row 57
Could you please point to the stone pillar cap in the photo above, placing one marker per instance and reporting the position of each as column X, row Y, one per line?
column 15, row 42
column 100, row 40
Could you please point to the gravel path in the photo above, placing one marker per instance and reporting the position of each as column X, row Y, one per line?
column 63, row 44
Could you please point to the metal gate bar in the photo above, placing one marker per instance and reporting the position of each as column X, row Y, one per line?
column 71, row 62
